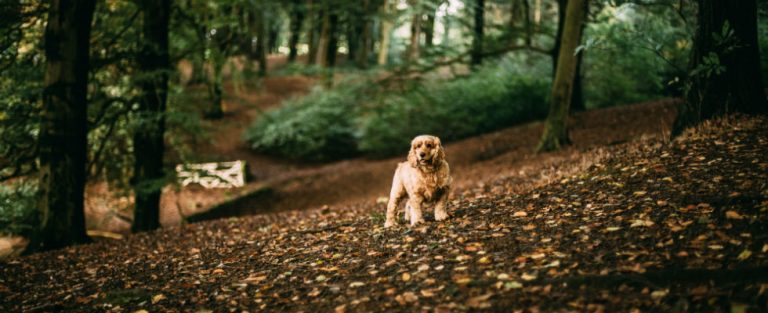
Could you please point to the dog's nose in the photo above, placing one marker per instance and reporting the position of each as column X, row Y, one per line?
column 422, row 154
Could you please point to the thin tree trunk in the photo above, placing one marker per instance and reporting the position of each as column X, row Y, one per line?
column 215, row 91
column 261, row 42
column 738, row 87
column 555, row 127
column 322, row 43
column 386, row 32
column 429, row 29
column 577, row 99
column 297, row 18
column 333, row 39
column 148, row 143
column 477, row 39
column 413, row 48
column 62, row 140
column 312, row 32
column 361, row 58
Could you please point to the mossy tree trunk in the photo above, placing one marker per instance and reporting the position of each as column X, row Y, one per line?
column 262, row 45
column 333, row 38
column 477, row 39
column 62, row 140
column 577, row 97
column 386, row 33
column 322, row 42
column 555, row 127
column 429, row 29
column 148, row 143
column 725, row 64
column 312, row 42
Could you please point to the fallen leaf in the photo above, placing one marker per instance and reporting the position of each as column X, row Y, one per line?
column 733, row 215
column 520, row 214
column 157, row 298
column 512, row 285
column 744, row 255
column 356, row 284
column 406, row 276
column 410, row 297
column 484, row 260
column 480, row 302
column 528, row 277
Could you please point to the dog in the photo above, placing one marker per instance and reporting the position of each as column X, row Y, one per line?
column 424, row 178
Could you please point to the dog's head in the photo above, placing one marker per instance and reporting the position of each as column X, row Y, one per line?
column 426, row 150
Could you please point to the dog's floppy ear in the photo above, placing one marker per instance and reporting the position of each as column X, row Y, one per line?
column 412, row 157
column 440, row 156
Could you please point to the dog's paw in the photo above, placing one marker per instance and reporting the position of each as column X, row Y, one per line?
column 389, row 223
column 441, row 215
column 417, row 221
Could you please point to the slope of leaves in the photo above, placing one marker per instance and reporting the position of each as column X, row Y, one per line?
column 661, row 227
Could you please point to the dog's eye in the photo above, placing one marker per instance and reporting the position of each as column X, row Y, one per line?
column 429, row 145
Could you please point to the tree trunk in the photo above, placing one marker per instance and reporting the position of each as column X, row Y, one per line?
column 731, row 82
column 577, row 98
column 62, row 140
column 429, row 29
column 413, row 48
column 148, row 144
column 386, row 33
column 215, row 91
column 261, row 42
column 361, row 58
column 312, row 32
column 322, row 43
column 477, row 39
column 333, row 38
column 555, row 127
column 297, row 18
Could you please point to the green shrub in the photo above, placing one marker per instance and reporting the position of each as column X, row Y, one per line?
column 497, row 96
column 318, row 126
column 17, row 207
column 353, row 118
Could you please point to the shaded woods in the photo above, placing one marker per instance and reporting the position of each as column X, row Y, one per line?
column 597, row 143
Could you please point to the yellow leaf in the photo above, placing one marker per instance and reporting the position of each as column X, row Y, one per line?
column 528, row 277
column 520, row 214
column 733, row 215
column 157, row 298
column 744, row 255
column 406, row 276
column 484, row 260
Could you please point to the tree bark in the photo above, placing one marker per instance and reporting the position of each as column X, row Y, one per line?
column 62, row 140
column 413, row 48
column 732, row 81
column 148, row 143
column 333, row 38
column 322, row 42
column 429, row 29
column 261, row 42
column 361, row 58
column 577, row 98
column 313, row 14
column 386, row 33
column 477, row 39
column 555, row 127
column 297, row 19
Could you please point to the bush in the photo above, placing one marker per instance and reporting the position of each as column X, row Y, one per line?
column 351, row 119
column 318, row 126
column 497, row 96
column 17, row 207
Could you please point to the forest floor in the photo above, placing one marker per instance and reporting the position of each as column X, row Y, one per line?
column 642, row 225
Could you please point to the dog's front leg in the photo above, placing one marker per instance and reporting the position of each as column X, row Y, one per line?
column 415, row 202
column 442, row 203
column 395, row 195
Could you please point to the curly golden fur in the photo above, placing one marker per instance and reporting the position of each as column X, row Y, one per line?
column 425, row 179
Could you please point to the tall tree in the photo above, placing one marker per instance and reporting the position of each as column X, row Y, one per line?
column 429, row 28
column 725, row 64
column 477, row 38
column 414, row 49
column 262, row 47
column 386, row 33
column 333, row 37
column 315, row 16
column 325, row 31
column 62, row 140
column 361, row 57
column 148, row 143
column 296, row 20
column 555, row 127
column 577, row 97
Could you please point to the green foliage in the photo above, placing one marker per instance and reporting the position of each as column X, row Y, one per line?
column 633, row 56
column 762, row 39
column 17, row 207
column 496, row 96
column 316, row 127
column 351, row 119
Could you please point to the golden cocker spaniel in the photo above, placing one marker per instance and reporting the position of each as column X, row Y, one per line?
column 425, row 178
